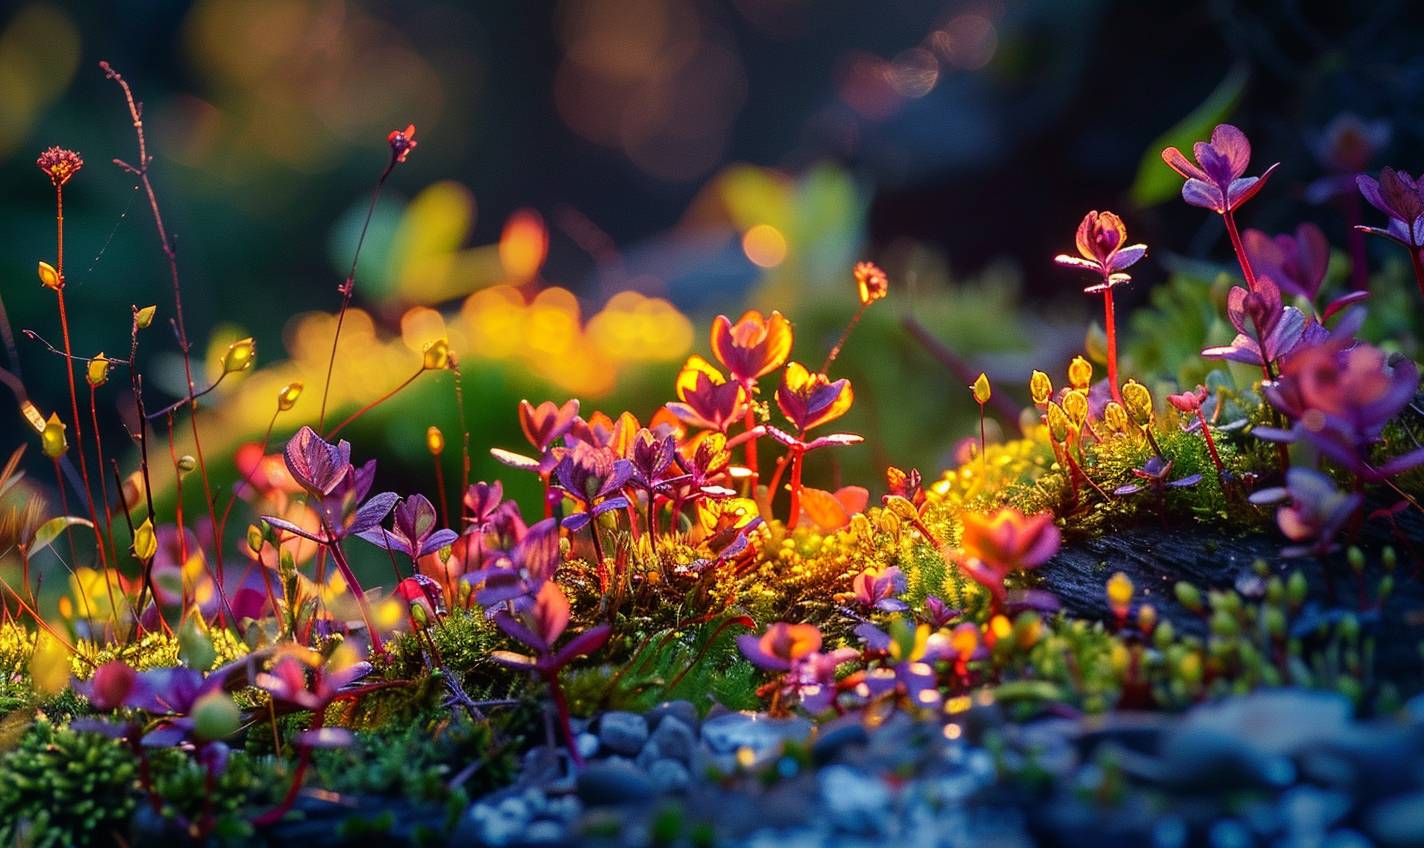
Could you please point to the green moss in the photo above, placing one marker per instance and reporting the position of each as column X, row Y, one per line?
column 61, row 787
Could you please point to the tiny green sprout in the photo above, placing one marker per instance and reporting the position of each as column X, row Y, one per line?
column 53, row 438
column 1350, row 627
column 286, row 564
column 240, row 356
column 255, row 539
column 1388, row 558
column 186, row 464
column 1275, row 621
column 1138, row 402
column 287, row 397
column 1261, row 567
column 98, row 371
column 215, row 716
column 1297, row 588
column 1040, row 387
column 1275, row 591
column 144, row 317
column 1080, row 373
column 49, row 278
column 1386, row 587
column 1223, row 624
column 1356, row 558
column 1163, row 635
column 436, row 356
column 1188, row 596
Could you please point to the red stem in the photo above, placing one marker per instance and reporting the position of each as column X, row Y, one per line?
column 1110, row 327
column 1250, row 274
column 795, row 507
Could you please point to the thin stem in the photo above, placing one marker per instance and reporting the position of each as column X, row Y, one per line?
column 72, row 357
column 1211, row 445
column 794, row 516
column 348, row 286
column 1110, row 328
column 373, row 404
column 1245, row 261
column 845, row 335
column 339, row 557
column 750, row 422
column 1418, row 264
column 983, row 462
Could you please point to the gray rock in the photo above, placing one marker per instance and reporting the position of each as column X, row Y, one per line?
column 1201, row 759
column 728, row 733
column 649, row 755
column 855, row 802
column 545, row 832
column 670, row 776
column 614, row 781
column 587, row 745
column 622, row 733
column 684, row 711
column 674, row 739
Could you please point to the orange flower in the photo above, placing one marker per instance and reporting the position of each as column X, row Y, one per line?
column 707, row 400
column 752, row 347
column 870, row 282
column 810, row 399
column 998, row 544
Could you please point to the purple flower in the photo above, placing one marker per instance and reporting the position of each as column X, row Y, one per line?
column 522, row 572
column 781, row 646
column 1340, row 396
column 591, row 476
column 1266, row 329
column 1155, row 475
column 812, row 679
column 1103, row 251
column 539, row 627
column 938, row 614
column 1401, row 198
column 1215, row 181
column 1295, row 263
column 1317, row 511
column 877, row 588
column 413, row 531
column 338, row 488
column 651, row 457
column 1345, row 148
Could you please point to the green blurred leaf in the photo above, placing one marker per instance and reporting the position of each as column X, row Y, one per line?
column 50, row 530
column 1155, row 182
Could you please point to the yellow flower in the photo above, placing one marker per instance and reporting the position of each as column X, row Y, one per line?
column 1040, row 387
column 1080, row 373
column 981, row 389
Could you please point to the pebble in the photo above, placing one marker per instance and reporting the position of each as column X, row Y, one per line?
column 622, row 733
column 670, row 776
column 731, row 732
column 614, row 781
column 674, row 739
column 684, row 711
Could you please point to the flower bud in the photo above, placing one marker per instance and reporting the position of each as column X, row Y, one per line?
column 1075, row 403
column 1356, row 558
column 49, row 277
column 287, row 397
column 1080, row 373
column 1275, row 622
column 52, row 438
column 436, row 355
column 215, row 716
column 1119, row 589
column 1138, row 402
column 1163, row 635
column 434, row 440
column 240, row 356
column 1146, row 618
column 1115, row 417
column 1040, row 387
column 186, row 464
column 981, row 389
column 143, row 317
column 98, row 371
column 255, row 539
column 145, row 541
column 1059, row 426
column 1188, row 596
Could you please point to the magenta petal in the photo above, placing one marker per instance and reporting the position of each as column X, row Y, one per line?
column 583, row 644
column 1203, row 194
column 1178, row 162
column 1234, row 147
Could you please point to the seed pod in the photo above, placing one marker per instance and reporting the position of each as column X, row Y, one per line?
column 434, row 440
column 1119, row 589
column 143, row 317
column 98, row 371
column 1059, row 425
column 52, row 438
column 240, row 356
column 1138, row 402
column 145, row 541
column 1188, row 596
column 436, row 356
column 287, row 397
column 1115, row 417
column 1080, row 373
column 981, row 389
column 1040, row 387
column 186, row 464
column 49, row 278
column 1075, row 403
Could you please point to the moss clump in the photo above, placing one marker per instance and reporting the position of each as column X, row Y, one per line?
column 61, row 787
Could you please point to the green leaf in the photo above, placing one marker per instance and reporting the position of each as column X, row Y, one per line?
column 1155, row 182
column 50, row 530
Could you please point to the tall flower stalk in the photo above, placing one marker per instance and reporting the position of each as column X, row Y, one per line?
column 1104, row 252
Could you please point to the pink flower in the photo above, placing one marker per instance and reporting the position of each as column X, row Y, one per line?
column 1215, row 181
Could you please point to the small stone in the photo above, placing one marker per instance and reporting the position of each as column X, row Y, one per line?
column 670, row 776
column 622, row 733
column 1398, row 822
column 832, row 739
column 855, row 802
column 684, row 711
column 674, row 739
column 545, row 832
column 614, row 781
column 650, row 754
column 587, row 745
column 728, row 733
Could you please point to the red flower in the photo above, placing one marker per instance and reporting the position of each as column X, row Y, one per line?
column 402, row 142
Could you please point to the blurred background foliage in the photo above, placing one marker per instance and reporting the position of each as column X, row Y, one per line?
column 596, row 178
